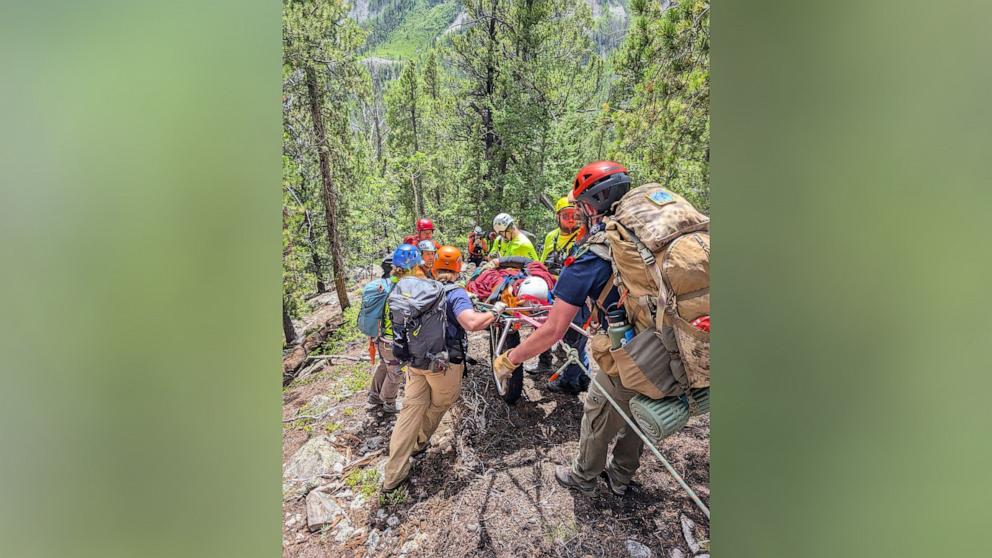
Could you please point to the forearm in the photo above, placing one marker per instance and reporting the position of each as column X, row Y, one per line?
column 540, row 340
column 544, row 337
column 471, row 320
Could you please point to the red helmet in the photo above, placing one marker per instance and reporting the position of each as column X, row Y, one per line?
column 601, row 184
column 425, row 225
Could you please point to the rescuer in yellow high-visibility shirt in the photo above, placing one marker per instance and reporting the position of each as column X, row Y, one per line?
column 559, row 242
column 511, row 241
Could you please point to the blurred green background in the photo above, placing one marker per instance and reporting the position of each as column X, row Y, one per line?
column 851, row 193
column 140, row 229
column 141, row 233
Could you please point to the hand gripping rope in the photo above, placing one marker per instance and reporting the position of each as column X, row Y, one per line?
column 573, row 358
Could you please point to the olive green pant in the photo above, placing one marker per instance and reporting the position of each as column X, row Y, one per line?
column 428, row 396
column 600, row 423
column 388, row 375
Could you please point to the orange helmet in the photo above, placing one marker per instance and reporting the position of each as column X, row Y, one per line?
column 448, row 258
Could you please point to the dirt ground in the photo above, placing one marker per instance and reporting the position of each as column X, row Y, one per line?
column 487, row 487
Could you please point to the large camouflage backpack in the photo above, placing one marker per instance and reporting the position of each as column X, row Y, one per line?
column 417, row 309
column 659, row 246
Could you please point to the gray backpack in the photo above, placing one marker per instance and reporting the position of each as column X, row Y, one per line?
column 418, row 310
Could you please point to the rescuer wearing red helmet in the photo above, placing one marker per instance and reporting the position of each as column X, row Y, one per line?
column 425, row 231
column 588, row 276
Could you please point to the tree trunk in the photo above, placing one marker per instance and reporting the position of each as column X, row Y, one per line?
column 312, row 243
column 418, row 196
column 330, row 197
column 413, row 112
column 288, row 331
column 315, row 255
column 377, row 120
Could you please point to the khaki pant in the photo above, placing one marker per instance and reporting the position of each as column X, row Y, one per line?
column 600, row 423
column 427, row 398
column 387, row 378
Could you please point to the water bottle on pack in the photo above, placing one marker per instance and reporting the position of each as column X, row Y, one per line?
column 619, row 330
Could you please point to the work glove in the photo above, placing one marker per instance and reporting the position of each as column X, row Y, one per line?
column 502, row 367
column 499, row 307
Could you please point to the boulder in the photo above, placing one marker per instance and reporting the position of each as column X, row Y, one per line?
column 322, row 510
column 317, row 457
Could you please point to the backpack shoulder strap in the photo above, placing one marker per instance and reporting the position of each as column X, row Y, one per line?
column 601, row 300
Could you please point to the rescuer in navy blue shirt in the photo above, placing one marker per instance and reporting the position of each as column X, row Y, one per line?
column 598, row 186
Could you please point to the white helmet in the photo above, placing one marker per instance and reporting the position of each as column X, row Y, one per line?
column 426, row 246
column 502, row 222
column 533, row 289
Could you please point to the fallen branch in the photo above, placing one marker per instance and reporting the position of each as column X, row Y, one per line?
column 295, row 359
column 338, row 359
column 314, row 417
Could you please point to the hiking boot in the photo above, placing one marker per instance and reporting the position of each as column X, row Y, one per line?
column 616, row 488
column 374, row 399
column 388, row 491
column 417, row 453
column 564, row 477
column 559, row 385
column 391, row 407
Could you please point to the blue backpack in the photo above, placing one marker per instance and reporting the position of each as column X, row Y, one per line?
column 374, row 296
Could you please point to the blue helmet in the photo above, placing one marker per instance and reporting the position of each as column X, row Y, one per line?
column 406, row 256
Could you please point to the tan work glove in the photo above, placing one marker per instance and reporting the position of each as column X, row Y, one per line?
column 491, row 264
column 502, row 367
column 499, row 307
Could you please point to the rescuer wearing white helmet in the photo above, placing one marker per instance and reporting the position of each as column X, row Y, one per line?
column 510, row 241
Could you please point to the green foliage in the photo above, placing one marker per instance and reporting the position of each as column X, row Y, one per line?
column 659, row 107
column 358, row 379
column 365, row 481
column 491, row 117
column 417, row 29
column 395, row 498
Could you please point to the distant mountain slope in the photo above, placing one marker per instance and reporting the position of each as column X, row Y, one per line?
column 401, row 29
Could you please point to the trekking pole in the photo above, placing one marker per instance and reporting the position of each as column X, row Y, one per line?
column 573, row 358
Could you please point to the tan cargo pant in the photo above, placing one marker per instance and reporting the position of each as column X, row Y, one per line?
column 387, row 378
column 427, row 398
column 600, row 423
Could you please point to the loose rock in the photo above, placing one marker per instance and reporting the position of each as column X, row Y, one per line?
column 393, row 521
column 638, row 550
column 317, row 457
column 344, row 531
column 676, row 553
column 688, row 528
column 373, row 540
column 322, row 510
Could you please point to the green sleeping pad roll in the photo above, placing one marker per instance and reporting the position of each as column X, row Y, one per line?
column 659, row 418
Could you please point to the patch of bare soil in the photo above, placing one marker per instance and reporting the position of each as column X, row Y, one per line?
column 487, row 486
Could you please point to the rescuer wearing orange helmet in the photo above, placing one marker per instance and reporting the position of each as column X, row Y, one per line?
column 430, row 395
